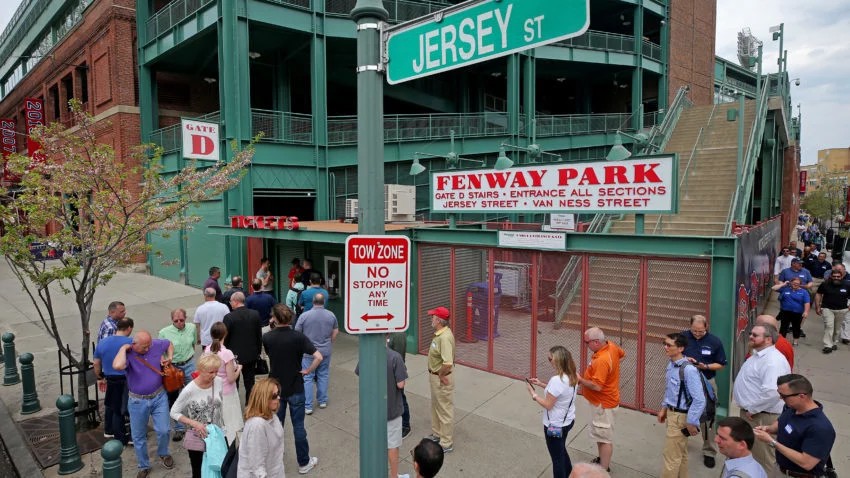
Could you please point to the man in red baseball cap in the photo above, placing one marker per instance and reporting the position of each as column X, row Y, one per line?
column 441, row 357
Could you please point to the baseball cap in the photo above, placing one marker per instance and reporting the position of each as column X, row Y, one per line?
column 796, row 259
column 440, row 312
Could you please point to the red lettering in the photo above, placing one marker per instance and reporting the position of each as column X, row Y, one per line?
column 499, row 180
column 646, row 173
column 202, row 144
column 442, row 182
column 616, row 175
column 519, row 181
column 537, row 177
column 588, row 177
column 564, row 176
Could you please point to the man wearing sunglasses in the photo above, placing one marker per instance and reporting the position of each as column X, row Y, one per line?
column 804, row 435
column 783, row 261
column 755, row 387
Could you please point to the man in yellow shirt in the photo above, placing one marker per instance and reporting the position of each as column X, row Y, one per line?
column 441, row 357
column 601, row 388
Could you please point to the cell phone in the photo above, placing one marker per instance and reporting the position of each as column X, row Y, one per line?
column 686, row 432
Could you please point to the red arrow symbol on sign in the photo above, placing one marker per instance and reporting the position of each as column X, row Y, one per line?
column 368, row 317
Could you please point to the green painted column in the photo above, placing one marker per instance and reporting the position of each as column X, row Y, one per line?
column 10, row 372
column 30, row 403
column 370, row 186
column 111, row 454
column 148, row 104
column 69, row 453
column 766, row 159
column 637, row 72
column 529, row 90
column 513, row 85
column 235, row 100
column 319, row 105
column 722, row 313
column 663, row 81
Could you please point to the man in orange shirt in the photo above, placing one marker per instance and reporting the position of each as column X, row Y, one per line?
column 601, row 387
column 782, row 344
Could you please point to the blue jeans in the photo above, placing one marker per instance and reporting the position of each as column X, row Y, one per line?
column 187, row 369
column 320, row 375
column 141, row 409
column 296, row 412
column 561, row 464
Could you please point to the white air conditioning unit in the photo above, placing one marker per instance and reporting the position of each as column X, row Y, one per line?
column 399, row 203
column 351, row 208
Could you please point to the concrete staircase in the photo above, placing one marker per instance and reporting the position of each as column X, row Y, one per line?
column 705, row 195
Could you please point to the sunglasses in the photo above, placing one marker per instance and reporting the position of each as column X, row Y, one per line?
column 785, row 397
column 178, row 320
column 666, row 345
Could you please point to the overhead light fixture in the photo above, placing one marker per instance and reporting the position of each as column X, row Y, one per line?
column 618, row 151
column 560, row 79
column 210, row 80
column 503, row 161
column 496, row 74
column 254, row 55
column 534, row 150
column 416, row 168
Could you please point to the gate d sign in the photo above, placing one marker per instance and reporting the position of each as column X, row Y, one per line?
column 200, row 140
column 479, row 30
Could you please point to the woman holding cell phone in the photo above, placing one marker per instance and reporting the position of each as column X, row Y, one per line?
column 559, row 410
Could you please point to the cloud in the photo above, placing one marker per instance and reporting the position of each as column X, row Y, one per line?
column 817, row 38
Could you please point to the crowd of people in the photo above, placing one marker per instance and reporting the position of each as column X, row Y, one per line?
column 780, row 428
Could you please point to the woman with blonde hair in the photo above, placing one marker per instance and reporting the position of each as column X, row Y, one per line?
column 228, row 371
column 559, row 408
column 261, row 444
column 198, row 405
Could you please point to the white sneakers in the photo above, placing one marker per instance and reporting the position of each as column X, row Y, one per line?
column 303, row 470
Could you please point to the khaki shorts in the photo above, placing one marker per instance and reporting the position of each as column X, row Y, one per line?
column 602, row 424
column 394, row 433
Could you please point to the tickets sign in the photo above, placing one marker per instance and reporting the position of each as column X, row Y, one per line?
column 639, row 185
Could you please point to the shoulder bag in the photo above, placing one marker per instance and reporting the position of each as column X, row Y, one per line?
column 172, row 377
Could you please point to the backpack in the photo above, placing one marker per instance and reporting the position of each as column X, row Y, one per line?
column 299, row 307
column 710, row 411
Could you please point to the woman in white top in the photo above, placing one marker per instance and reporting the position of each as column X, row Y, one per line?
column 261, row 443
column 558, row 402
column 198, row 405
column 229, row 372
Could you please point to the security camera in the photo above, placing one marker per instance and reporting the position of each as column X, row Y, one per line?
column 797, row 82
column 663, row 23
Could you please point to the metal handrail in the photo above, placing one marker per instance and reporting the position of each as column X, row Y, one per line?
column 170, row 15
column 745, row 180
column 680, row 101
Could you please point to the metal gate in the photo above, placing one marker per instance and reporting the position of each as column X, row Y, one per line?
column 509, row 306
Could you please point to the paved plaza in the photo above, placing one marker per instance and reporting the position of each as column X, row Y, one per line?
column 498, row 431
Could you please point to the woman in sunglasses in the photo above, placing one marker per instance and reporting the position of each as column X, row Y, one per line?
column 261, row 445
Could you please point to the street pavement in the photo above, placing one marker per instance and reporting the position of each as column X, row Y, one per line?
column 498, row 432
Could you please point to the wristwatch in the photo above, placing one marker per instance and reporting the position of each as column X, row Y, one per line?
column 773, row 443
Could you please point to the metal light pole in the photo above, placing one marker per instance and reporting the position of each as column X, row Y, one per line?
column 369, row 15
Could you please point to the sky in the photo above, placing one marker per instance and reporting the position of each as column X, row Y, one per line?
column 817, row 37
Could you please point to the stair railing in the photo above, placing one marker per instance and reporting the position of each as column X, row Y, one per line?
column 743, row 190
column 660, row 135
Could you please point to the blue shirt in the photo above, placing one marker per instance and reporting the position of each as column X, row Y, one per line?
column 789, row 273
column 693, row 388
column 106, row 351
column 810, row 433
column 318, row 324
column 307, row 296
column 793, row 300
column 262, row 302
column 745, row 464
column 708, row 349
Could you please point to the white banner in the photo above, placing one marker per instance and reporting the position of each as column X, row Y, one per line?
column 562, row 222
column 637, row 185
column 200, row 140
column 552, row 241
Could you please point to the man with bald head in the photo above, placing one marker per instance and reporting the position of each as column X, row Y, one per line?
column 244, row 338
column 208, row 313
column 588, row 470
column 782, row 344
column 601, row 388
column 147, row 398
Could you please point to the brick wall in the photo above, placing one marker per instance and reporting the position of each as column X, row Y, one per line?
column 790, row 189
column 692, row 32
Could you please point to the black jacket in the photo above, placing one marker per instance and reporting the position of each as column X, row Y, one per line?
column 244, row 334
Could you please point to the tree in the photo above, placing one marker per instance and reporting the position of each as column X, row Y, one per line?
column 827, row 200
column 94, row 210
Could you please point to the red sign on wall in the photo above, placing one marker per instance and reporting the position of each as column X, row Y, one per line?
column 8, row 130
column 34, row 111
column 289, row 223
column 804, row 175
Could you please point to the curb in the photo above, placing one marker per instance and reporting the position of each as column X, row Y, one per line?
column 14, row 440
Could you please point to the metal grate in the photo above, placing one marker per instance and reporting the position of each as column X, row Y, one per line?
column 434, row 288
column 469, row 273
column 512, row 317
column 568, row 332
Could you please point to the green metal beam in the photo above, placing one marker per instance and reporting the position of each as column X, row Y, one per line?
column 722, row 316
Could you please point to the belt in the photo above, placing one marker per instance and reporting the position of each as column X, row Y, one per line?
column 438, row 373
column 146, row 397
column 677, row 410
column 180, row 364
column 798, row 474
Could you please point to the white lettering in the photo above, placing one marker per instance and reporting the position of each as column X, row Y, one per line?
column 484, row 32
column 503, row 24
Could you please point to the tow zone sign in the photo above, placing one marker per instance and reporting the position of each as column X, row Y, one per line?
column 377, row 288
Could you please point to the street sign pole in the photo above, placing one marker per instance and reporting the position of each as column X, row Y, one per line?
column 369, row 15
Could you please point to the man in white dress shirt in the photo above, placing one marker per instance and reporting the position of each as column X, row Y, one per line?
column 755, row 388
column 783, row 261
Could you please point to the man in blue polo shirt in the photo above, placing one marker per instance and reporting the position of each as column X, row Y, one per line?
column 796, row 270
column 820, row 266
column 804, row 436
column 706, row 352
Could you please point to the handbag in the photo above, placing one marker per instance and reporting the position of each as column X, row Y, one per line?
column 172, row 377
column 554, row 431
column 230, row 464
column 262, row 367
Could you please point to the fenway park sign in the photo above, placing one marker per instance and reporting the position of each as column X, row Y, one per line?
column 640, row 185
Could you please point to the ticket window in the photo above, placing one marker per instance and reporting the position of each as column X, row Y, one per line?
column 333, row 279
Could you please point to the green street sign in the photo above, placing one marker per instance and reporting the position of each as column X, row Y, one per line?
column 478, row 30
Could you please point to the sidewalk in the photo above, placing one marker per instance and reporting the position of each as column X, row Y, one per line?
column 498, row 432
